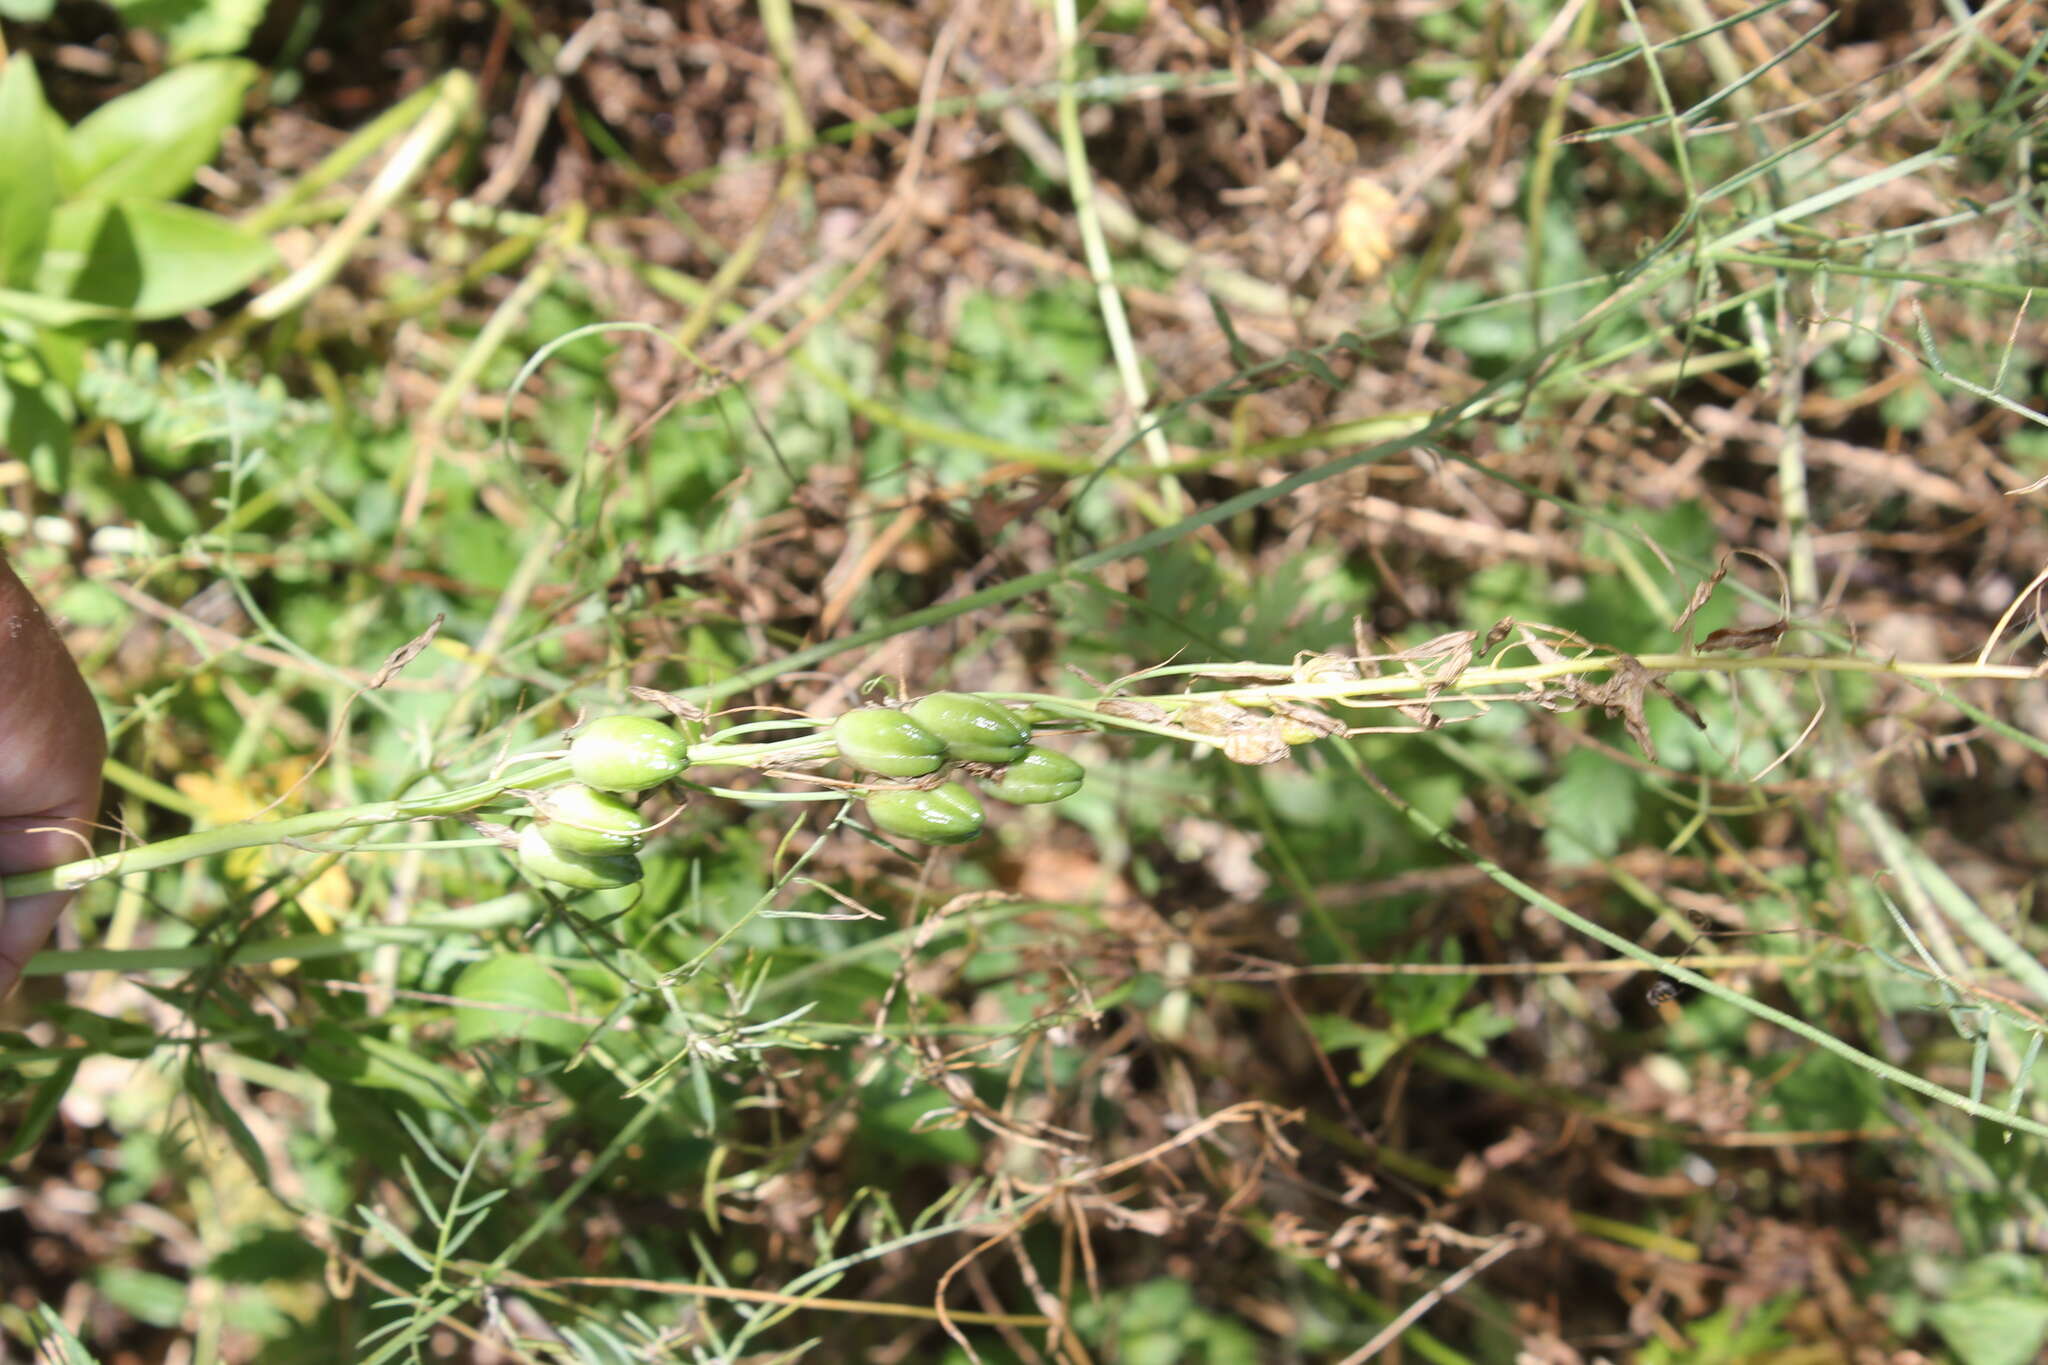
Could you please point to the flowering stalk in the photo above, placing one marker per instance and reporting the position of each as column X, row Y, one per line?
column 1271, row 707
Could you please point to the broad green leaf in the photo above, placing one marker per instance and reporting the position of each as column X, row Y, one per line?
column 1994, row 1329
column 44, row 311
column 523, row 984
column 28, row 171
column 195, row 28
column 145, row 1295
column 149, row 260
column 1375, row 1046
column 1591, row 809
column 1473, row 1027
column 35, row 425
column 148, row 143
column 26, row 11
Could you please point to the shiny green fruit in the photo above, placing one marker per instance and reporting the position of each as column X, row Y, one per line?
column 883, row 740
column 584, row 871
column 1040, row 776
column 579, row 819
column 975, row 730
column 943, row 815
column 627, row 753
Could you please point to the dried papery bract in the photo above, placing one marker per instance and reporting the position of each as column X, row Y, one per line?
column 1244, row 736
column 1134, row 708
column 1301, row 724
column 1256, row 745
column 1327, row 667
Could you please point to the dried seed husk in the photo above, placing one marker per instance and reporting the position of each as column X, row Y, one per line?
column 1215, row 717
column 1326, row 667
column 1305, row 724
column 1255, row 745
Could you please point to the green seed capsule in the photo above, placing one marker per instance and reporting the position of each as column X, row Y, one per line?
column 579, row 819
column 885, row 741
column 584, row 871
column 627, row 753
column 1040, row 776
column 975, row 730
column 943, row 815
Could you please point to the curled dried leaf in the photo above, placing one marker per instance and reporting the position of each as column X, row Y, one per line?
column 1452, row 652
column 1700, row 596
column 670, row 703
column 1422, row 713
column 1622, row 697
column 1449, row 645
column 1745, row 637
column 407, row 652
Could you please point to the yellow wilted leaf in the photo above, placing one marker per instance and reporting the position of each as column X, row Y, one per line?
column 226, row 801
column 327, row 900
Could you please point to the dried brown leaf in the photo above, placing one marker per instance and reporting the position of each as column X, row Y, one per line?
column 1621, row 697
column 1700, row 596
column 670, row 703
column 1745, row 637
column 406, row 653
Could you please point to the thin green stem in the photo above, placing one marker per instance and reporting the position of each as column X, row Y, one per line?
column 1081, row 185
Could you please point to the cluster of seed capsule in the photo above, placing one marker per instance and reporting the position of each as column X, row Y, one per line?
column 587, row 833
column 917, row 740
